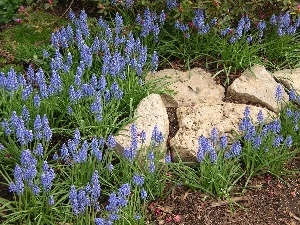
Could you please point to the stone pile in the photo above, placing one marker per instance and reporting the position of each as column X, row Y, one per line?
column 200, row 106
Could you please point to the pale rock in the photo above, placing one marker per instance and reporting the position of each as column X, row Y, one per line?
column 200, row 119
column 150, row 112
column 192, row 87
column 257, row 86
column 290, row 78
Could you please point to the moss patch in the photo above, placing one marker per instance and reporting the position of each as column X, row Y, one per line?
column 27, row 40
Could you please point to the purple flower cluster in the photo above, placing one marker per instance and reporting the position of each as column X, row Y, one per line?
column 151, row 23
column 85, row 197
column 151, row 158
column 10, row 82
column 131, row 152
column 184, row 28
column 125, row 4
column 157, row 137
column 17, row 126
column 26, row 175
column 42, row 129
column 206, row 147
column 235, row 150
column 199, row 22
column 47, row 177
column 74, row 152
column 116, row 202
column 278, row 93
column 284, row 24
column 171, row 4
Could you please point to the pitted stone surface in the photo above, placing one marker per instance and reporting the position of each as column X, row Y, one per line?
column 290, row 78
column 258, row 86
column 192, row 87
column 200, row 107
column 200, row 119
column 150, row 112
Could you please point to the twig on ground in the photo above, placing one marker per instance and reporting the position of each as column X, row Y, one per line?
column 67, row 9
column 226, row 202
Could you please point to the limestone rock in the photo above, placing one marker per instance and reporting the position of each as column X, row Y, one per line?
column 290, row 78
column 192, row 87
column 258, row 86
column 150, row 112
column 200, row 119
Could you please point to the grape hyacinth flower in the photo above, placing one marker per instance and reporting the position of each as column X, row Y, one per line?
column 96, row 107
column 39, row 151
column 102, row 83
column 289, row 113
column 95, row 188
column 86, row 55
column 236, row 148
column 26, row 92
column 162, row 18
column 36, row 100
column 47, row 177
column 278, row 94
column 6, row 127
column 111, row 142
column 199, row 22
column 18, row 185
column 118, row 23
column 249, row 39
column 154, row 62
column 143, row 194
column 261, row 26
column 168, row 158
column 101, row 221
column 157, row 137
column 223, row 142
column 137, row 217
column 143, row 136
column 81, row 155
column 96, row 149
column 171, row 4
column 28, row 165
column 256, row 142
column 124, row 190
column 151, row 166
column 129, row 3
column 184, row 28
column 273, row 20
column 51, row 200
column 25, row 114
column 289, row 141
column 226, row 31
column 138, row 180
column 214, row 135
column 260, row 117
column 116, row 92
column 277, row 140
column 78, row 75
column 110, row 167
column 12, row 83
column 213, row 156
column 45, row 54
column 73, row 200
column 38, row 126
